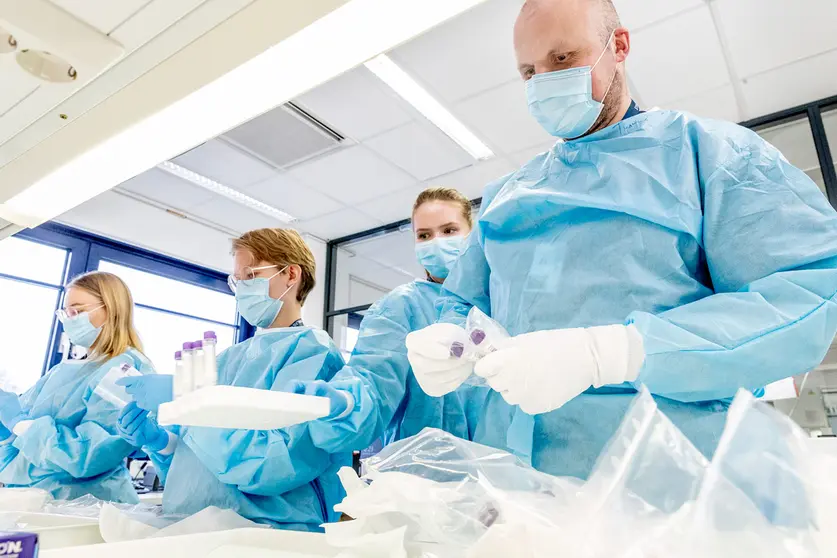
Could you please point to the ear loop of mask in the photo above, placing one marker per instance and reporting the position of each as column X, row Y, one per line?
column 612, row 35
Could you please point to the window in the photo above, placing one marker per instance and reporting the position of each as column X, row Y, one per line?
column 171, row 312
column 796, row 142
column 829, row 122
column 31, row 276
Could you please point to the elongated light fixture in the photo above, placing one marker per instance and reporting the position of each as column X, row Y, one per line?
column 408, row 89
column 225, row 191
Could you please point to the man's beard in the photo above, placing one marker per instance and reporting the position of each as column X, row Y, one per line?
column 611, row 103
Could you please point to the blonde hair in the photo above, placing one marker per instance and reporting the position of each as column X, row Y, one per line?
column 440, row 193
column 118, row 333
column 281, row 247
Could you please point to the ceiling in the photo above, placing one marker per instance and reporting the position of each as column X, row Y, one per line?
column 742, row 59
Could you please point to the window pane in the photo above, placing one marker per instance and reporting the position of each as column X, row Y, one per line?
column 24, row 336
column 829, row 120
column 162, row 334
column 170, row 294
column 795, row 141
column 31, row 260
column 370, row 268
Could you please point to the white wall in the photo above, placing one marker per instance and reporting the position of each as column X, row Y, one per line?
column 312, row 312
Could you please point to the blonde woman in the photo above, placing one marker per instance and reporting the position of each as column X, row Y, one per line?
column 60, row 436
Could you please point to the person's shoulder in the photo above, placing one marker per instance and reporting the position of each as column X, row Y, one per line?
column 402, row 299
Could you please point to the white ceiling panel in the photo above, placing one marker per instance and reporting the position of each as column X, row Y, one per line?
column 225, row 164
column 152, row 19
column 352, row 175
column 283, row 192
column 472, row 181
column 340, row 223
column 636, row 14
column 502, row 117
column 356, row 104
column 663, row 73
column 17, row 84
column 167, row 189
column 104, row 15
column 718, row 103
column 393, row 207
column 809, row 80
column 765, row 34
column 420, row 149
column 522, row 157
column 231, row 215
column 467, row 55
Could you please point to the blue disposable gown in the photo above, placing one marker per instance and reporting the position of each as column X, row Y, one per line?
column 275, row 477
column 72, row 448
column 389, row 400
column 700, row 233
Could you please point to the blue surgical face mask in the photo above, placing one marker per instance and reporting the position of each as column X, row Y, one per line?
column 255, row 303
column 80, row 331
column 562, row 102
column 437, row 256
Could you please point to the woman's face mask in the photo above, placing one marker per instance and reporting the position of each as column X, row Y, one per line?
column 437, row 256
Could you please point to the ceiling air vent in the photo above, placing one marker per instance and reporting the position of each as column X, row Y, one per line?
column 285, row 136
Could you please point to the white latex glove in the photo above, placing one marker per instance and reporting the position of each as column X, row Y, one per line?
column 429, row 350
column 541, row 371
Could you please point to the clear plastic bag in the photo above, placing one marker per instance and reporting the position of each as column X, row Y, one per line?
column 768, row 492
column 109, row 391
column 484, row 337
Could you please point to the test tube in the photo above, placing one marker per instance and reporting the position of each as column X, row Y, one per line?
column 188, row 368
column 197, row 364
column 210, row 365
column 177, row 387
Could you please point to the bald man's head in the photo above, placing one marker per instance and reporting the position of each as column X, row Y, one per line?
column 555, row 35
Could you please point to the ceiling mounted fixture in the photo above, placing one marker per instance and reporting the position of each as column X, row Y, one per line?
column 407, row 88
column 7, row 42
column 46, row 66
column 225, row 191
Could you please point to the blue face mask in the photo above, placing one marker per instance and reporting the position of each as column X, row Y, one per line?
column 255, row 303
column 80, row 331
column 437, row 256
column 562, row 102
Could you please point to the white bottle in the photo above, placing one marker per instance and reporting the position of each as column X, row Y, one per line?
column 210, row 365
column 188, row 374
column 198, row 365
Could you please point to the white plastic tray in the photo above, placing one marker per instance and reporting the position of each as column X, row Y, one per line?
column 267, row 543
column 54, row 531
column 240, row 407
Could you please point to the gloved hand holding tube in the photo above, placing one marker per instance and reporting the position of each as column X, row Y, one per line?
column 342, row 402
column 140, row 430
column 150, row 390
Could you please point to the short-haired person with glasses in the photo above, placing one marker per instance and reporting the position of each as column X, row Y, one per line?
column 276, row 477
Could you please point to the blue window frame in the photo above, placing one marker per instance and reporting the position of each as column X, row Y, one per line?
column 89, row 252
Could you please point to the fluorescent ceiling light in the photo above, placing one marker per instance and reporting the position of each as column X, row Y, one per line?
column 401, row 82
column 348, row 36
column 225, row 191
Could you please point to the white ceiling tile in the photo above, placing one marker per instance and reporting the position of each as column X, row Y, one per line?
column 522, row 157
column 472, row 181
column 225, row 164
column 17, row 84
column 356, row 104
column 340, row 223
column 719, row 103
column 352, row 175
column 167, row 189
column 663, row 73
column 235, row 216
column 468, row 55
column 809, row 80
column 152, row 19
column 636, row 14
column 393, row 207
column 287, row 194
column 104, row 15
column 502, row 117
column 765, row 34
column 420, row 149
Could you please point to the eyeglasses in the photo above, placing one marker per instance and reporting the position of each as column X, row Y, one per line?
column 73, row 311
column 248, row 274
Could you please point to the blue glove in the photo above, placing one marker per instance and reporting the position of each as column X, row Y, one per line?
column 340, row 400
column 10, row 411
column 5, row 433
column 149, row 391
column 141, row 431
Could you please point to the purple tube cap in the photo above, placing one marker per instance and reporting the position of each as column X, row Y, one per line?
column 210, row 335
column 187, row 346
column 178, row 355
column 197, row 345
column 457, row 349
